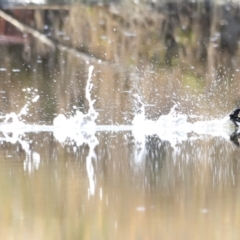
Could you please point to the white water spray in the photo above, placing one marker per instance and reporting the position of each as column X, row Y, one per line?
column 81, row 128
column 13, row 130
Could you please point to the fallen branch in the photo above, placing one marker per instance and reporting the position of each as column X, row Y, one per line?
column 24, row 28
column 41, row 37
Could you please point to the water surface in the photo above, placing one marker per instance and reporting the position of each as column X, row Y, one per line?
column 165, row 175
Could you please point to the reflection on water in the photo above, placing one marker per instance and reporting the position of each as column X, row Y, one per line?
column 138, row 168
column 190, row 193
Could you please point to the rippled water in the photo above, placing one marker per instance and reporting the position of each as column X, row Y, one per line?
column 94, row 152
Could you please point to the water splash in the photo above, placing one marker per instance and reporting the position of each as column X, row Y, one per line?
column 138, row 122
column 175, row 128
column 13, row 130
column 79, row 122
column 80, row 129
column 92, row 115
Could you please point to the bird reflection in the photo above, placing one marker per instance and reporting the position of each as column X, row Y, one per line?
column 235, row 138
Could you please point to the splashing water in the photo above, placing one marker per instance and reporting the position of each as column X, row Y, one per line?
column 13, row 130
column 81, row 129
column 79, row 122
column 175, row 127
column 139, row 136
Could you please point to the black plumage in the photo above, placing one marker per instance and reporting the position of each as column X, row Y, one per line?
column 235, row 117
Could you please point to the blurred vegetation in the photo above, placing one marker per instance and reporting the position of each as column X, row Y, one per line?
column 183, row 33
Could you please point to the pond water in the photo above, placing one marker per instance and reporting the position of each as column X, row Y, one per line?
column 96, row 152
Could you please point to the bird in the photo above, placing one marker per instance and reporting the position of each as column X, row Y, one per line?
column 235, row 117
